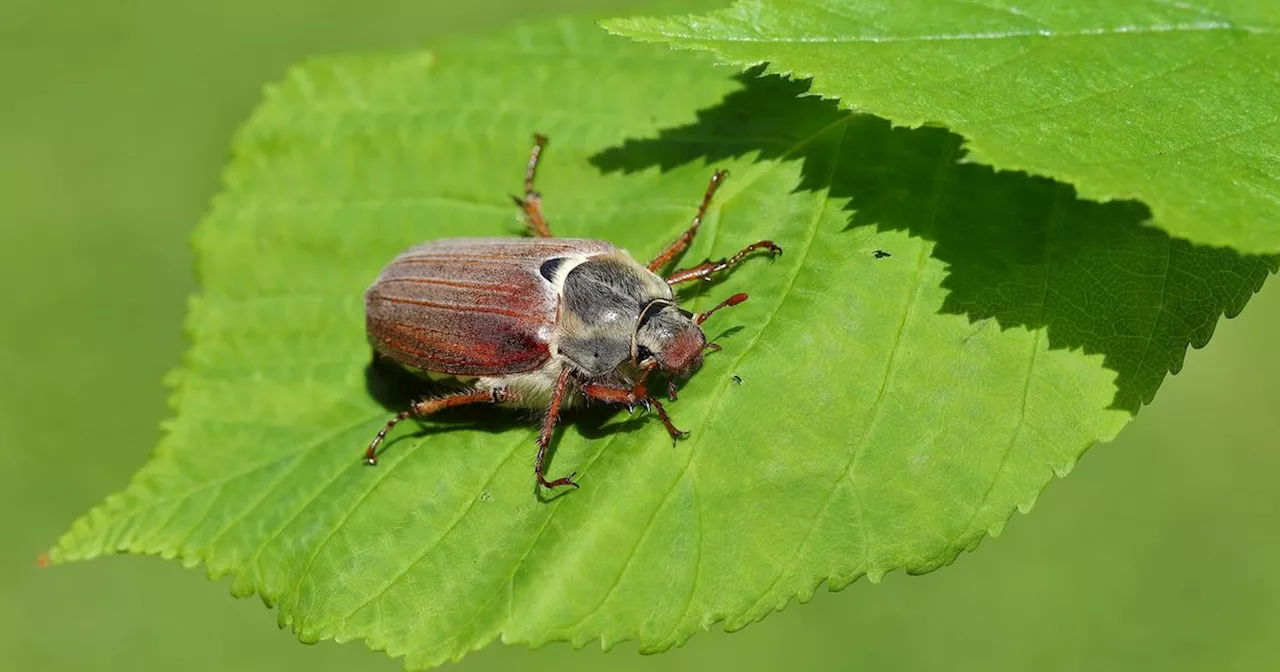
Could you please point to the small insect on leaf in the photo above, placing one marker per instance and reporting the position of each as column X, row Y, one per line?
column 543, row 322
column 881, row 254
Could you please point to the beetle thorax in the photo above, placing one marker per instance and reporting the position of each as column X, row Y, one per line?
column 601, row 304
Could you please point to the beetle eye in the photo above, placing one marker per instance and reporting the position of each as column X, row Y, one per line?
column 643, row 353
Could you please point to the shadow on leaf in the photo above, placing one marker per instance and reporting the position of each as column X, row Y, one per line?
column 1023, row 251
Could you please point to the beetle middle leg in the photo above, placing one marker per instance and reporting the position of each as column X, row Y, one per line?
column 425, row 407
column 548, row 428
column 532, row 201
column 704, row 270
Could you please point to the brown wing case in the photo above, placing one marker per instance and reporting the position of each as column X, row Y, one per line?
column 470, row 306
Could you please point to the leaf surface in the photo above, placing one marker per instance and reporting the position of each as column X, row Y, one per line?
column 1171, row 103
column 892, row 410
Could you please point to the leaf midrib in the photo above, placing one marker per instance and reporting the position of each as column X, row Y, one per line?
column 1117, row 31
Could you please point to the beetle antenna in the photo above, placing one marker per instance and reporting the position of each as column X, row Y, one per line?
column 731, row 301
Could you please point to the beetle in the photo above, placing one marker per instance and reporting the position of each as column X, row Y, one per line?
column 542, row 322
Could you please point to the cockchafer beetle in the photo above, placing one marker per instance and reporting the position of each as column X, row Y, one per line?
column 542, row 322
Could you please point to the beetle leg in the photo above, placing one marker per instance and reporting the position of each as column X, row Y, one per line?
column 532, row 201
column 422, row 409
column 682, row 243
column 544, row 437
column 616, row 395
column 704, row 270
column 630, row 398
column 676, row 434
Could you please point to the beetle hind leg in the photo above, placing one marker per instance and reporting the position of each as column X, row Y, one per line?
column 682, row 243
column 425, row 407
column 532, row 201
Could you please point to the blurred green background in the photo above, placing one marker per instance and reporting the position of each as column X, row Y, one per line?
column 1158, row 552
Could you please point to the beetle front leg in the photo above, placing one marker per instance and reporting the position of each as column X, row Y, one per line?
column 631, row 397
column 676, row 434
column 532, row 201
column 548, row 429
column 704, row 270
column 422, row 409
column 682, row 243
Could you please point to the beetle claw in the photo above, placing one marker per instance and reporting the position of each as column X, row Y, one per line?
column 552, row 485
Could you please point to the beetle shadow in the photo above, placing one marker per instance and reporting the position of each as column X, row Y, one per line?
column 726, row 334
column 1020, row 250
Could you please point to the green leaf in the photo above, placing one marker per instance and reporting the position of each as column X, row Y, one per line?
column 892, row 410
column 1171, row 103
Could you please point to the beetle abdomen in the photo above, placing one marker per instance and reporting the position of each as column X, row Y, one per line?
column 470, row 306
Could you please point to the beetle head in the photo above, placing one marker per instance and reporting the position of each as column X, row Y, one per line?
column 668, row 337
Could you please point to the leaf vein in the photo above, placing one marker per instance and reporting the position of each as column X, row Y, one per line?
column 1113, row 31
column 1101, row 93
column 1160, row 306
column 439, row 539
column 697, row 563
column 241, row 474
column 813, row 232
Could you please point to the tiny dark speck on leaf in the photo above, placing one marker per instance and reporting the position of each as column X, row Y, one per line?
column 737, row 379
column 881, row 254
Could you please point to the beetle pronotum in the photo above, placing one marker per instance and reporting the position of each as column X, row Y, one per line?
column 542, row 322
